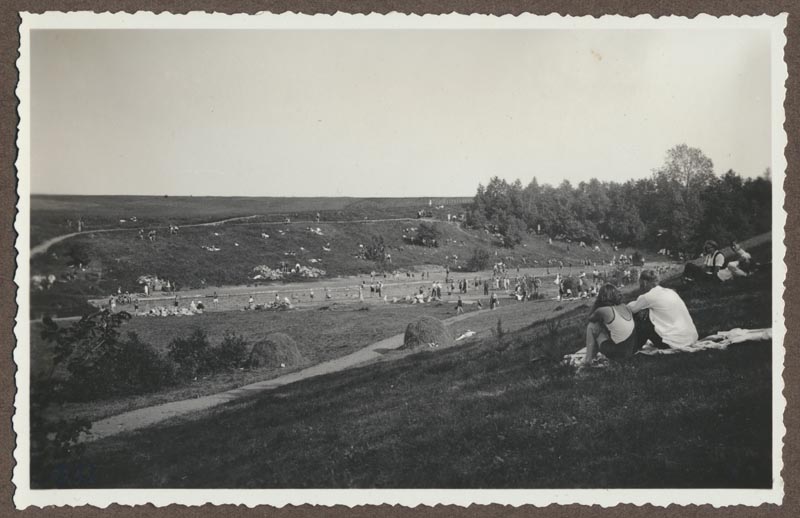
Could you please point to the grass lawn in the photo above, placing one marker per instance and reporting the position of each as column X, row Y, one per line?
column 473, row 417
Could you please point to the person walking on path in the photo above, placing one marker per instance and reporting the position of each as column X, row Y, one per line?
column 661, row 316
column 459, row 306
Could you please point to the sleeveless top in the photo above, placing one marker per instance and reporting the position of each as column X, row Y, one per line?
column 621, row 324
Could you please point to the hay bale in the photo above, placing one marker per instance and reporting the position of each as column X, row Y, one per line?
column 427, row 331
column 274, row 350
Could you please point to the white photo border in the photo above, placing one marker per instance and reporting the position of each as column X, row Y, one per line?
column 25, row 497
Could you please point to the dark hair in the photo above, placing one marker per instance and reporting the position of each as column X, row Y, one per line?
column 608, row 295
column 711, row 243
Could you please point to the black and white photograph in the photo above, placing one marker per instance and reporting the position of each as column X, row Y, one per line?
column 512, row 260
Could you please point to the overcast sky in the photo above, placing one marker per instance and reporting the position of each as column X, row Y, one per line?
column 386, row 113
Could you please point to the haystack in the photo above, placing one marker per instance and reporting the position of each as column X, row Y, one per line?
column 275, row 350
column 427, row 331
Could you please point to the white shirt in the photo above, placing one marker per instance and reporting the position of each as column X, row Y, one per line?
column 669, row 315
column 714, row 259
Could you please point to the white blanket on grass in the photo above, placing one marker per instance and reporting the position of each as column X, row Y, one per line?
column 719, row 341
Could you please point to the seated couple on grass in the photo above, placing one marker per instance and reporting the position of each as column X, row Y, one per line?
column 716, row 266
column 618, row 330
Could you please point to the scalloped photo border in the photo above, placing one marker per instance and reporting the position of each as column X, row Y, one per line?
column 25, row 497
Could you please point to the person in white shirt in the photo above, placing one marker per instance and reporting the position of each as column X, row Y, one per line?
column 661, row 315
column 743, row 258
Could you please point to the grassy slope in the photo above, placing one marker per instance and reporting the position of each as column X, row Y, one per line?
column 471, row 417
column 119, row 258
column 49, row 213
column 322, row 335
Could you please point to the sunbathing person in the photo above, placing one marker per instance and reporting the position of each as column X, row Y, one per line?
column 661, row 316
column 611, row 329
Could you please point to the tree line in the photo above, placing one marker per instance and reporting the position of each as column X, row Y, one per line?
column 682, row 204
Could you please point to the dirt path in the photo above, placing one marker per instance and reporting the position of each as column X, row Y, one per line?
column 144, row 417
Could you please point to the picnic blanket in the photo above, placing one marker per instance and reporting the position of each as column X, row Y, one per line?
column 719, row 341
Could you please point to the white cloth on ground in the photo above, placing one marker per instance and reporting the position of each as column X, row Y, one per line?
column 719, row 341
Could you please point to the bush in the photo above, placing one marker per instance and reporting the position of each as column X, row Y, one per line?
column 140, row 368
column 232, row 353
column 274, row 350
column 481, row 260
column 428, row 234
column 425, row 331
column 192, row 355
column 126, row 367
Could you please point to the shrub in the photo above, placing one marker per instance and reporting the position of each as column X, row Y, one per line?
column 124, row 367
column 481, row 260
column 274, row 350
column 192, row 354
column 427, row 330
column 375, row 250
column 232, row 353
column 428, row 234
column 140, row 368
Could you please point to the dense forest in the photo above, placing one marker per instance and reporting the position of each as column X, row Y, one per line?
column 677, row 208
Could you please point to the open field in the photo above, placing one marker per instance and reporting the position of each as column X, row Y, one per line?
column 484, row 415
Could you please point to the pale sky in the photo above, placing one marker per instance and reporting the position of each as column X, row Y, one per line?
column 386, row 113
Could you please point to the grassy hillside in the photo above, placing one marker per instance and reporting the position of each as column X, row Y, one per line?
column 485, row 415
column 49, row 213
column 117, row 259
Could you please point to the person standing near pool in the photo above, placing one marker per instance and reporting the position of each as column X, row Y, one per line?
column 661, row 316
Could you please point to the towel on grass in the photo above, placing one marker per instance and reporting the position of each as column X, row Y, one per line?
column 719, row 341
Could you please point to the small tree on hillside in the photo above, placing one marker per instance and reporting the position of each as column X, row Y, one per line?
column 375, row 250
column 81, row 344
column 78, row 256
column 428, row 234
column 481, row 260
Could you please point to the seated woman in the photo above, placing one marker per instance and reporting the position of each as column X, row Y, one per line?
column 611, row 327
